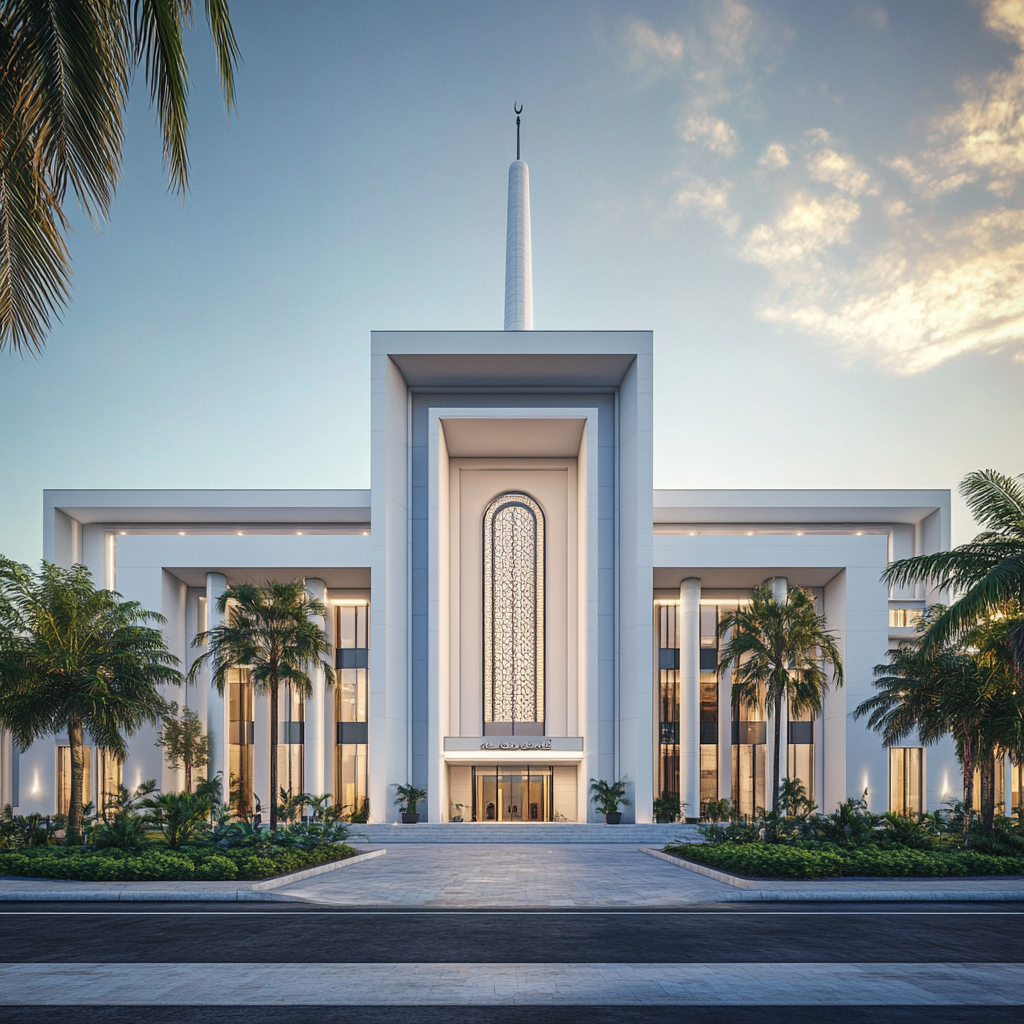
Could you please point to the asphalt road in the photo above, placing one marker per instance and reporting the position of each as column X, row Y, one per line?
column 291, row 933
column 279, row 933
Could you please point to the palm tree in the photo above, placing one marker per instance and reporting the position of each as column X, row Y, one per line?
column 77, row 659
column 778, row 652
column 66, row 67
column 269, row 631
column 965, row 688
column 988, row 571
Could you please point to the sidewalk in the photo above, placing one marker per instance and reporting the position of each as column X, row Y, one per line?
column 517, row 876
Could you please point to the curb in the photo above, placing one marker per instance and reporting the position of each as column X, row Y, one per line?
column 320, row 869
column 751, row 892
column 253, row 892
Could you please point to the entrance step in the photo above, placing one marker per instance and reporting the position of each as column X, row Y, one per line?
column 547, row 833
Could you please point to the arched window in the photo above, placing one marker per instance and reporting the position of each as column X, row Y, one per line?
column 513, row 610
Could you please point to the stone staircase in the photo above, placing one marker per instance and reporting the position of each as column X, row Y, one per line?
column 546, row 833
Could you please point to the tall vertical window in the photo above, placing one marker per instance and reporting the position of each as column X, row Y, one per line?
column 291, row 776
column 110, row 780
column 513, row 613
column 351, row 700
column 64, row 778
column 241, row 737
column 905, row 780
column 708, row 705
column 667, row 695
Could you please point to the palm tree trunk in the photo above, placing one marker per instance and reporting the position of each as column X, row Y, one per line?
column 273, row 751
column 188, row 776
column 776, row 752
column 73, row 836
column 988, row 793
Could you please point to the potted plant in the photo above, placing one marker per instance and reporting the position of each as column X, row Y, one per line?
column 407, row 797
column 667, row 808
column 608, row 796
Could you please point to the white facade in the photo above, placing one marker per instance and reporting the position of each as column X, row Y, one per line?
column 631, row 578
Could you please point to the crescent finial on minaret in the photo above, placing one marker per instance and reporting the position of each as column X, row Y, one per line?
column 518, row 108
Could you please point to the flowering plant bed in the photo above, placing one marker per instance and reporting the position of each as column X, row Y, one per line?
column 777, row 861
column 161, row 864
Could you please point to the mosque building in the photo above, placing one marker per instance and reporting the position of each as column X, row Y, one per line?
column 515, row 609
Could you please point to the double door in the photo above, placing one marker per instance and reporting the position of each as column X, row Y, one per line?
column 512, row 793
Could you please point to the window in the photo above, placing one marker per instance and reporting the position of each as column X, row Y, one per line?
column 64, row 778
column 905, row 780
column 666, row 693
column 900, row 618
column 241, row 738
column 351, row 699
column 110, row 779
column 513, row 611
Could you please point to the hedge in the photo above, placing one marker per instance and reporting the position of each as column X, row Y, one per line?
column 164, row 865
column 764, row 860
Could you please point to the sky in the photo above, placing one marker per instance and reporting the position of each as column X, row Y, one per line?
column 817, row 208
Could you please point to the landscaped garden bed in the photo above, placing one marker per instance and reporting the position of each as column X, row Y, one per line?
column 165, row 865
column 776, row 861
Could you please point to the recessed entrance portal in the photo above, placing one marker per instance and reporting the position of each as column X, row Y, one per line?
column 512, row 793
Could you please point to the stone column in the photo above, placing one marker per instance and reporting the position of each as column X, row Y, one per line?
column 780, row 588
column 316, row 783
column 217, row 706
column 689, row 696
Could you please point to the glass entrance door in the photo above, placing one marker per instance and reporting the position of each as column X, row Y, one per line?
column 512, row 793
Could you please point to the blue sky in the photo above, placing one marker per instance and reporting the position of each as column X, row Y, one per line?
column 816, row 207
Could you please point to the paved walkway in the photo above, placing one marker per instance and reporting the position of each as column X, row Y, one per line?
column 502, row 876
column 502, row 984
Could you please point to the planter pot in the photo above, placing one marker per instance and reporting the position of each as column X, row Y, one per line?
column 614, row 818
column 409, row 819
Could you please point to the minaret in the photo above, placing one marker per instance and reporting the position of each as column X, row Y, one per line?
column 518, row 250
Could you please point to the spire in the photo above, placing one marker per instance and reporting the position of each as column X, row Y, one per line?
column 518, row 249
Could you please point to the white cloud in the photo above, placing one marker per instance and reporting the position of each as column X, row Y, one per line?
column 913, row 315
column 710, row 201
column 732, row 29
column 774, row 157
column 873, row 17
column 711, row 132
column 983, row 138
column 806, row 228
column 841, row 170
column 648, row 49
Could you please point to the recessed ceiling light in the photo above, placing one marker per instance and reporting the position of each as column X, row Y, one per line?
column 298, row 533
column 239, row 533
column 181, row 533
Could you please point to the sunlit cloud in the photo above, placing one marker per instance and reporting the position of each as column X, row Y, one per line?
column 806, row 228
column 710, row 202
column 774, row 157
column 872, row 16
column 853, row 259
column 647, row 49
column 711, row 132
column 826, row 165
column 731, row 28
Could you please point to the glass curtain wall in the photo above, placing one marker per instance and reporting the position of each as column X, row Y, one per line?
column 64, row 778
column 749, row 751
column 708, row 706
column 352, row 642
column 241, row 740
column 110, row 780
column 666, row 616
column 905, row 780
column 291, row 759
column 801, row 750
column 1000, row 786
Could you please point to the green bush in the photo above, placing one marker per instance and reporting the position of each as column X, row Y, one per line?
column 160, row 864
column 764, row 860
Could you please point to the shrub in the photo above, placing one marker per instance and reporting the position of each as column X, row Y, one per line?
column 763, row 860
column 165, row 865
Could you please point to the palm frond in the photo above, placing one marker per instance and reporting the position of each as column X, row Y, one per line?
column 225, row 46
column 996, row 500
column 158, row 28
